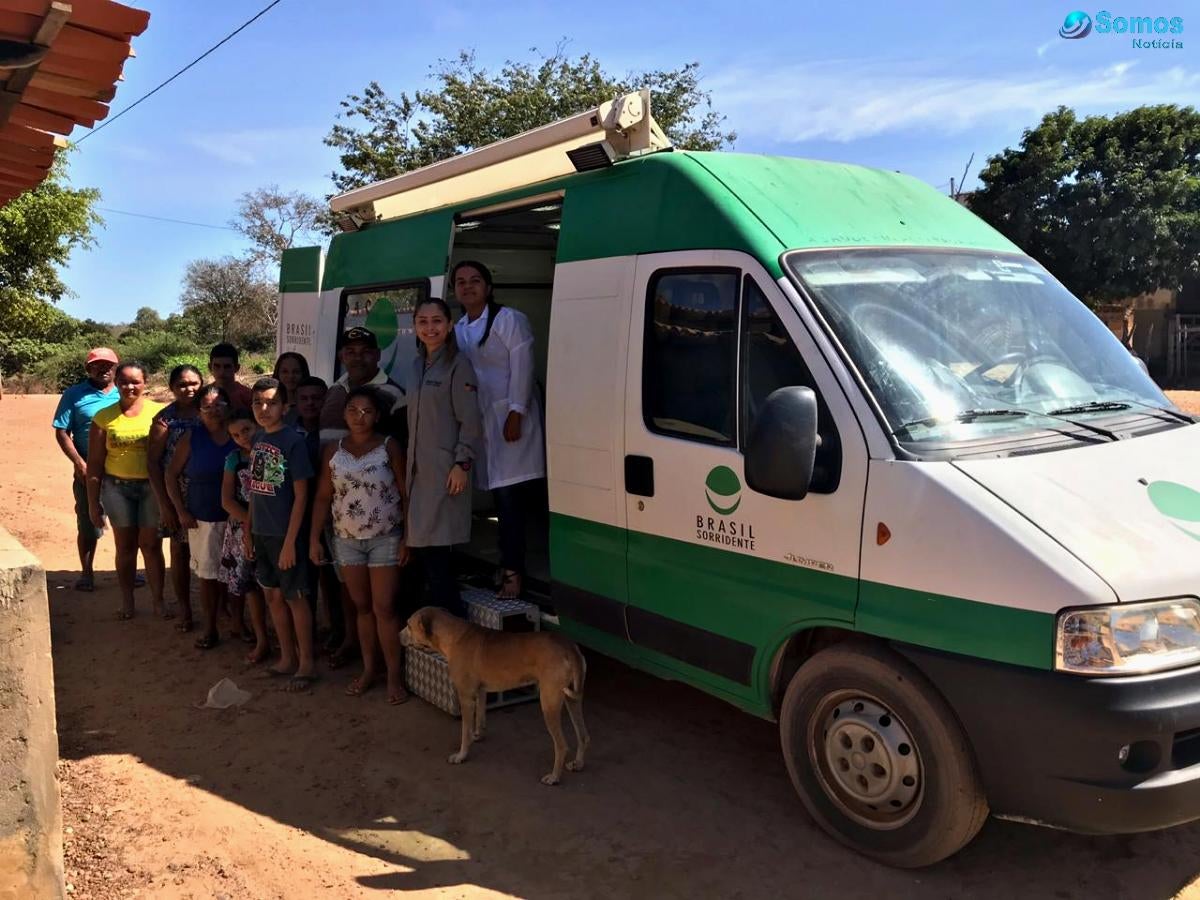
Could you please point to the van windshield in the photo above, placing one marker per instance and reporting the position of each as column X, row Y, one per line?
column 954, row 344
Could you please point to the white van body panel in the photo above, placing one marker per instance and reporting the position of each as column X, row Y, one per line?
column 585, row 394
column 1094, row 502
column 821, row 532
column 298, row 327
column 951, row 537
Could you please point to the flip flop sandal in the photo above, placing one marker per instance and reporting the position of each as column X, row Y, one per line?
column 339, row 658
column 207, row 642
column 125, row 615
column 185, row 626
column 398, row 699
column 299, row 684
column 356, row 688
column 87, row 585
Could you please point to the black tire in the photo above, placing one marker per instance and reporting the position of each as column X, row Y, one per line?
column 854, row 698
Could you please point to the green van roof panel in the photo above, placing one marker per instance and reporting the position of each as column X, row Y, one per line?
column 806, row 204
column 761, row 205
column 655, row 204
column 299, row 270
column 399, row 250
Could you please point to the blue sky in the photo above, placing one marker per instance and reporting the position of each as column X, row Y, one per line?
column 913, row 87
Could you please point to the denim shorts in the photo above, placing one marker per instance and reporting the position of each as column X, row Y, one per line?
column 129, row 502
column 371, row 552
column 83, row 519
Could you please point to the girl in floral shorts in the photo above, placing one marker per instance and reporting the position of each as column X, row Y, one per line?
column 237, row 572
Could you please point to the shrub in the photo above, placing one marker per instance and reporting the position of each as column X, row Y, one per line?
column 154, row 350
column 62, row 366
column 257, row 364
column 199, row 359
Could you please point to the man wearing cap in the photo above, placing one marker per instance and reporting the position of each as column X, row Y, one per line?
column 72, row 424
column 359, row 355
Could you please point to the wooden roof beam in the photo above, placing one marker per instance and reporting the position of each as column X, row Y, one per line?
column 74, row 87
column 24, row 114
column 42, row 157
column 98, row 15
column 63, row 104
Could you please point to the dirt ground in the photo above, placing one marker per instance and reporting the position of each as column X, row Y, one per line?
column 324, row 795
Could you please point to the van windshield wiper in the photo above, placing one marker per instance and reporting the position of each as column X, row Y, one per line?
column 966, row 415
column 1094, row 406
column 970, row 415
column 1124, row 403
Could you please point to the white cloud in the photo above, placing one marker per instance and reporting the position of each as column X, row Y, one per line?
column 254, row 146
column 137, row 153
column 848, row 100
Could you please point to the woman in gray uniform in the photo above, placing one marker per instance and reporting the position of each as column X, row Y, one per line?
column 443, row 426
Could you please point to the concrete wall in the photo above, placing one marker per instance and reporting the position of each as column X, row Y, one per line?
column 31, row 855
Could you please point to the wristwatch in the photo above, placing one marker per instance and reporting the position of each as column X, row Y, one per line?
column 464, row 464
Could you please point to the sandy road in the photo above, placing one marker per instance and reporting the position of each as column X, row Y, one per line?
column 331, row 796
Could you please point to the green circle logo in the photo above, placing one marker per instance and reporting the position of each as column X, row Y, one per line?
column 1177, row 502
column 723, row 490
column 382, row 320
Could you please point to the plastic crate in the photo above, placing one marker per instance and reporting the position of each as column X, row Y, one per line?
column 484, row 608
column 427, row 675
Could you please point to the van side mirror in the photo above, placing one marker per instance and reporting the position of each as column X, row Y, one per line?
column 781, row 451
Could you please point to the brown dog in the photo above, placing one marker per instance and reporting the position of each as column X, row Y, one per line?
column 481, row 660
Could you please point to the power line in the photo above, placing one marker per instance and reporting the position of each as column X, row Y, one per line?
column 125, row 212
column 147, row 96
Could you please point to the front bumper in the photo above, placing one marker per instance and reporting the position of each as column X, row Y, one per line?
column 1049, row 744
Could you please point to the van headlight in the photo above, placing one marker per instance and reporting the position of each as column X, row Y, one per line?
column 1129, row 638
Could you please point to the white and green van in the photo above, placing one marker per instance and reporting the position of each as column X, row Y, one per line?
column 825, row 445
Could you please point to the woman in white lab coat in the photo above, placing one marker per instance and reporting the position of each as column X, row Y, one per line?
column 499, row 343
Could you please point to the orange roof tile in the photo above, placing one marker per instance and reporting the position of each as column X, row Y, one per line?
column 87, row 43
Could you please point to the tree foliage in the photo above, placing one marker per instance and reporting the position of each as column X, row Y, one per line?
column 147, row 320
column 275, row 221
column 378, row 137
column 38, row 231
column 227, row 299
column 1110, row 205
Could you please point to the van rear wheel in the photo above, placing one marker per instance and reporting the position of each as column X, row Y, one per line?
column 878, row 758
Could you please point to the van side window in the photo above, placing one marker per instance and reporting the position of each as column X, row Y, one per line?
column 689, row 359
column 770, row 361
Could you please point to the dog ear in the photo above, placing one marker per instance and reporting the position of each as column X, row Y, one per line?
column 425, row 620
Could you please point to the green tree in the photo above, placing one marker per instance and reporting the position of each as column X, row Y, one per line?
column 274, row 221
column 146, row 321
column 38, row 231
column 1110, row 205
column 378, row 137
column 228, row 300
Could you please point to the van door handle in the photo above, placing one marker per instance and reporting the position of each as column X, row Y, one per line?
column 639, row 476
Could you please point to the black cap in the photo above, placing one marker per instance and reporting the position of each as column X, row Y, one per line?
column 358, row 334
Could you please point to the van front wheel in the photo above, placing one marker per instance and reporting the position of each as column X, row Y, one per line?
column 878, row 758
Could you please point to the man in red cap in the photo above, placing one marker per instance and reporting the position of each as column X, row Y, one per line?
column 72, row 425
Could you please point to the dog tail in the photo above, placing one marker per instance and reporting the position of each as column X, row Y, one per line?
column 578, row 664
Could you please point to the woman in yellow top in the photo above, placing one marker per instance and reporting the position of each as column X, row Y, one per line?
column 119, row 484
